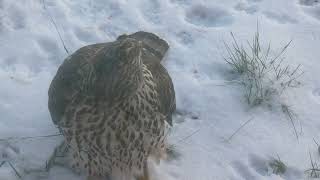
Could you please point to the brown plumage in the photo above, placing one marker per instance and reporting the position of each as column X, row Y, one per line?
column 112, row 101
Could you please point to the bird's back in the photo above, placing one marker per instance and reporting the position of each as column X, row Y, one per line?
column 154, row 53
column 67, row 81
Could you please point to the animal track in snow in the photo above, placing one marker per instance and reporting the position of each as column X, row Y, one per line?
column 311, row 8
column 280, row 17
column 200, row 15
column 249, row 9
column 85, row 35
column 185, row 38
column 308, row 2
column 181, row 2
column 151, row 11
column 316, row 94
column 12, row 17
column 254, row 1
column 244, row 171
column 248, row 6
column 258, row 167
column 258, row 164
column 47, row 44
column 314, row 11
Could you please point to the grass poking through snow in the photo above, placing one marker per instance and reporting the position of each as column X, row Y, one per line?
column 264, row 77
column 172, row 152
column 314, row 170
column 277, row 166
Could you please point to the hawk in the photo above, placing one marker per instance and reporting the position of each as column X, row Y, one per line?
column 113, row 102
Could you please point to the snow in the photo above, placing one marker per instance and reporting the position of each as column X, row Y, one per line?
column 211, row 107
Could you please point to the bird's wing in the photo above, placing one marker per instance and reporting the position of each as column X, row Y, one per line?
column 72, row 77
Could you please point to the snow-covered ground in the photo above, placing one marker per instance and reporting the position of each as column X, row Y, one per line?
column 211, row 107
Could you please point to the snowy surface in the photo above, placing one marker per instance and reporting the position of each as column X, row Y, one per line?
column 212, row 109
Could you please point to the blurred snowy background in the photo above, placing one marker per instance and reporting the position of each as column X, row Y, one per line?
column 212, row 109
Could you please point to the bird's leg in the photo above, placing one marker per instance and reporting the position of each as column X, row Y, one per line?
column 145, row 175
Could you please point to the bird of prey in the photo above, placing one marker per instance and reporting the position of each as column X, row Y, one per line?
column 113, row 102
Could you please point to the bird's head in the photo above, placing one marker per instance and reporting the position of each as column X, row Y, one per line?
column 119, row 70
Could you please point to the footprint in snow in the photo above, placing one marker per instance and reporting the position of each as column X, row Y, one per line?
column 181, row 2
column 14, row 17
column 244, row 171
column 185, row 38
column 280, row 18
column 249, row 9
column 215, row 16
column 316, row 94
column 254, row 1
column 248, row 6
column 85, row 34
column 311, row 8
column 259, row 164
column 151, row 11
column 314, row 12
column 258, row 167
column 47, row 44
column 308, row 2
column 181, row 115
